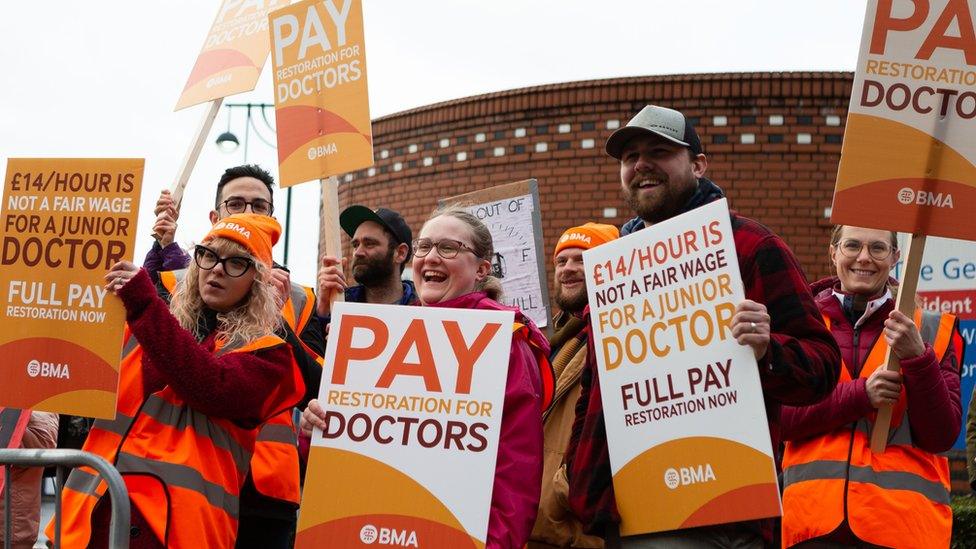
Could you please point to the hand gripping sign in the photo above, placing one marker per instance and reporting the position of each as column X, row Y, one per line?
column 686, row 424
column 910, row 143
column 413, row 398
column 65, row 223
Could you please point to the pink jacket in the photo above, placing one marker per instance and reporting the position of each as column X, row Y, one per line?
column 932, row 388
column 518, row 469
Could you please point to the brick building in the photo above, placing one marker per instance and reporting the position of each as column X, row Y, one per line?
column 773, row 142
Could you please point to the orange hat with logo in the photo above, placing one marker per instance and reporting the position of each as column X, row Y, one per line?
column 257, row 233
column 586, row 236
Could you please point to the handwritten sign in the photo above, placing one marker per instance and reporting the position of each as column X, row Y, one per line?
column 511, row 213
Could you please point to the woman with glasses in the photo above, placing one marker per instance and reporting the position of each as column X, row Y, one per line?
column 452, row 268
column 837, row 492
column 197, row 378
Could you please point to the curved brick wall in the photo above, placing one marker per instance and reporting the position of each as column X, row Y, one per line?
column 773, row 142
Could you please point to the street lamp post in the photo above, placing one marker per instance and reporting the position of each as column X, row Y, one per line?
column 227, row 142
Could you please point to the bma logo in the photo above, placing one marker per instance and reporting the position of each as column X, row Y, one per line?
column 585, row 239
column 369, row 535
column 683, row 476
column 48, row 369
column 907, row 196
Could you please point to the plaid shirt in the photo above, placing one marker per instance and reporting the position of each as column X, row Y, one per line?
column 800, row 367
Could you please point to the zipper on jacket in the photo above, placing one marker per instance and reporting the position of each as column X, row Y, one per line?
column 850, row 446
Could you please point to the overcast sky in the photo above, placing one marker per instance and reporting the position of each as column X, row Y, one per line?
column 100, row 79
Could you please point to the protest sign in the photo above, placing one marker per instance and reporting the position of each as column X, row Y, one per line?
column 413, row 399
column 321, row 101
column 947, row 284
column 908, row 147
column 511, row 213
column 233, row 53
column 907, row 162
column 65, row 223
column 686, row 424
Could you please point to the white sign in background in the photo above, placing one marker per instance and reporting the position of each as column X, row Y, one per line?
column 510, row 223
column 461, row 479
column 743, row 421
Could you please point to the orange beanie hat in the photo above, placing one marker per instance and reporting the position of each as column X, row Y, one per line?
column 586, row 236
column 257, row 233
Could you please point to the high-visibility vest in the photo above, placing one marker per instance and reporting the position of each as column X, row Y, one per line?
column 899, row 498
column 275, row 464
column 542, row 360
column 183, row 469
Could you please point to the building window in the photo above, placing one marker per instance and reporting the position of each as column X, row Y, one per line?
column 519, row 149
column 499, row 151
column 541, row 147
column 519, row 132
column 562, row 145
column 775, row 138
column 589, row 126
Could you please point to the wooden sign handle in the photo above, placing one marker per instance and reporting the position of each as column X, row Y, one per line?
column 193, row 153
column 330, row 239
column 906, row 305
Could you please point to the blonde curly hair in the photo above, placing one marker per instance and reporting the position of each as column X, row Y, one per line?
column 256, row 316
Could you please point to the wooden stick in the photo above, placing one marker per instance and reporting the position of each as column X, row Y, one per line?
column 330, row 239
column 196, row 145
column 906, row 304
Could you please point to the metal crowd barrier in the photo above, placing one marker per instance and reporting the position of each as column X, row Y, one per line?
column 62, row 459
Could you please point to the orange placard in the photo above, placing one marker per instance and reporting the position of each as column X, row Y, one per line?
column 909, row 158
column 233, row 53
column 65, row 222
column 318, row 53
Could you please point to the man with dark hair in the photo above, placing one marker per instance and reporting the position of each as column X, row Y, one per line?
column 381, row 248
column 662, row 175
column 270, row 496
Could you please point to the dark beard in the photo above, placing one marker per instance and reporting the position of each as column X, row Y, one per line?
column 662, row 210
column 373, row 272
column 570, row 304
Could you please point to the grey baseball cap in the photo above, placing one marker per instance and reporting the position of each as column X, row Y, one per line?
column 660, row 121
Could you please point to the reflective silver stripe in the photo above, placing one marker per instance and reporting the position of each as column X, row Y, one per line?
column 930, row 326
column 273, row 432
column 888, row 480
column 183, row 476
column 83, row 482
column 129, row 346
column 181, row 417
column 298, row 300
column 119, row 425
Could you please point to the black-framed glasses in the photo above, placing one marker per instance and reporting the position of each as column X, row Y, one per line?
column 236, row 205
column 878, row 250
column 447, row 248
column 234, row 266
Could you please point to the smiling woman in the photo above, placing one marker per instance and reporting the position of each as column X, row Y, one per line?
column 858, row 307
column 451, row 269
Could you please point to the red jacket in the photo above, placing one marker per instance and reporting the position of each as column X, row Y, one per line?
column 932, row 389
column 518, row 470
